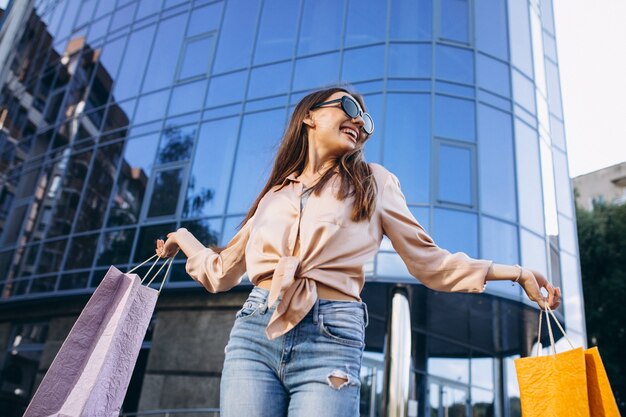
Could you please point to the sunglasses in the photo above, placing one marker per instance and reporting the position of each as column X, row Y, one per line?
column 351, row 108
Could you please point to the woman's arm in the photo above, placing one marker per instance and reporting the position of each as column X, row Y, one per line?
column 531, row 281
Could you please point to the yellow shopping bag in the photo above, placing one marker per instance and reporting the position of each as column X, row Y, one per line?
column 553, row 385
column 601, row 400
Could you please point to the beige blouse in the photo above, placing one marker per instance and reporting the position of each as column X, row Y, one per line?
column 333, row 249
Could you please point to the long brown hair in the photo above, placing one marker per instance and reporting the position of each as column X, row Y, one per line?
column 292, row 154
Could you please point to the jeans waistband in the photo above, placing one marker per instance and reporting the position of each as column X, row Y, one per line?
column 261, row 294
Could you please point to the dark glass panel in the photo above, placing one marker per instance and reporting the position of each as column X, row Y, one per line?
column 176, row 143
column 81, row 251
column 277, row 32
column 483, row 403
column 51, row 256
column 167, row 44
column 74, row 281
column 45, row 284
column 165, row 192
column 206, row 231
column 236, row 35
column 115, row 247
column 322, row 26
column 148, row 235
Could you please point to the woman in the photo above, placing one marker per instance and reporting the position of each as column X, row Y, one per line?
column 296, row 346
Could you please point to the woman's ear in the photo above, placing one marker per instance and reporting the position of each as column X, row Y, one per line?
column 308, row 120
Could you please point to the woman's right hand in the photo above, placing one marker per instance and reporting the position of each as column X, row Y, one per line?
column 169, row 248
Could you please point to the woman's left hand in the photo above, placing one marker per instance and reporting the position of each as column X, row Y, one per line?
column 169, row 248
column 532, row 281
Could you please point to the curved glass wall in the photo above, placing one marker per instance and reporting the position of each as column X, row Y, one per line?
column 124, row 120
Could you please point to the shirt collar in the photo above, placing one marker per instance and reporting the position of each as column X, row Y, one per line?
column 293, row 175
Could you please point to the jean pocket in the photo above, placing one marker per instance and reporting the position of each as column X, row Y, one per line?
column 249, row 309
column 343, row 327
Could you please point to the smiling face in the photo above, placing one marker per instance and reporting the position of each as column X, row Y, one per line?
column 332, row 130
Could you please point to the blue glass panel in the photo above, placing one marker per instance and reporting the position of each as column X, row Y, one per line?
column 316, row 71
column 231, row 227
column 197, row 55
column 412, row 19
column 187, row 98
column 497, row 170
column 86, row 11
column 69, row 16
column 205, row 19
column 519, row 33
column 499, row 243
column 493, row 75
column 167, row 44
column 363, row 64
column 454, row 20
column 562, row 184
column 529, row 186
column 407, row 149
column 491, row 28
column 260, row 135
column 547, row 17
column 454, row 118
column 146, row 7
column 123, row 17
column 534, row 252
column 226, row 88
column 567, row 234
column 367, row 22
column 321, row 26
column 422, row 215
column 98, row 29
column 151, row 107
column 554, row 89
column 277, row 34
column 495, row 101
column 210, row 176
column 456, row 231
column 112, row 56
column 453, row 89
column 406, row 60
column 454, row 64
column 135, row 59
column 572, row 293
column 391, row 265
column 455, row 175
column 236, row 35
column 549, row 47
column 270, row 80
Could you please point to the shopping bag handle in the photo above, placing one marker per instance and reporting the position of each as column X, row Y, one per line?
column 167, row 262
column 552, row 344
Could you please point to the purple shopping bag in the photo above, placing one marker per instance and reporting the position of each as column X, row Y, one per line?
column 90, row 374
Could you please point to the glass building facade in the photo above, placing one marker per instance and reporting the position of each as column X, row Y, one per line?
column 122, row 120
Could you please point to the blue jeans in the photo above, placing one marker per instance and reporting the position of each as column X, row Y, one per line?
column 290, row 375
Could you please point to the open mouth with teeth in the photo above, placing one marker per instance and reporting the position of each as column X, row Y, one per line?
column 353, row 134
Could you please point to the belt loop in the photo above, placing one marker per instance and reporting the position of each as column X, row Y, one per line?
column 366, row 316
column 316, row 310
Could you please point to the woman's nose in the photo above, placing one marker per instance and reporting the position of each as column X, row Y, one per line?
column 358, row 121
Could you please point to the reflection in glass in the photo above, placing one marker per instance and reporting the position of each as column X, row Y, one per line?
column 454, row 118
column 456, row 231
column 208, row 182
column 277, row 31
column 412, row 20
column 176, row 143
column 483, row 372
column 151, row 107
column 115, row 247
column 73, row 281
column 497, row 174
column 166, row 187
column 455, row 175
column 231, row 227
column 454, row 23
column 132, row 180
column 99, row 185
column 148, row 236
column 454, row 64
column 260, row 134
column 197, row 56
column 81, row 252
column 236, row 37
column 512, row 387
column 135, row 59
column 407, row 153
column 206, row 231
column 321, row 28
column 482, row 403
column 45, row 284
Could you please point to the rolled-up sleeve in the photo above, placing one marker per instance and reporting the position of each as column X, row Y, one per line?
column 218, row 272
column 435, row 267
